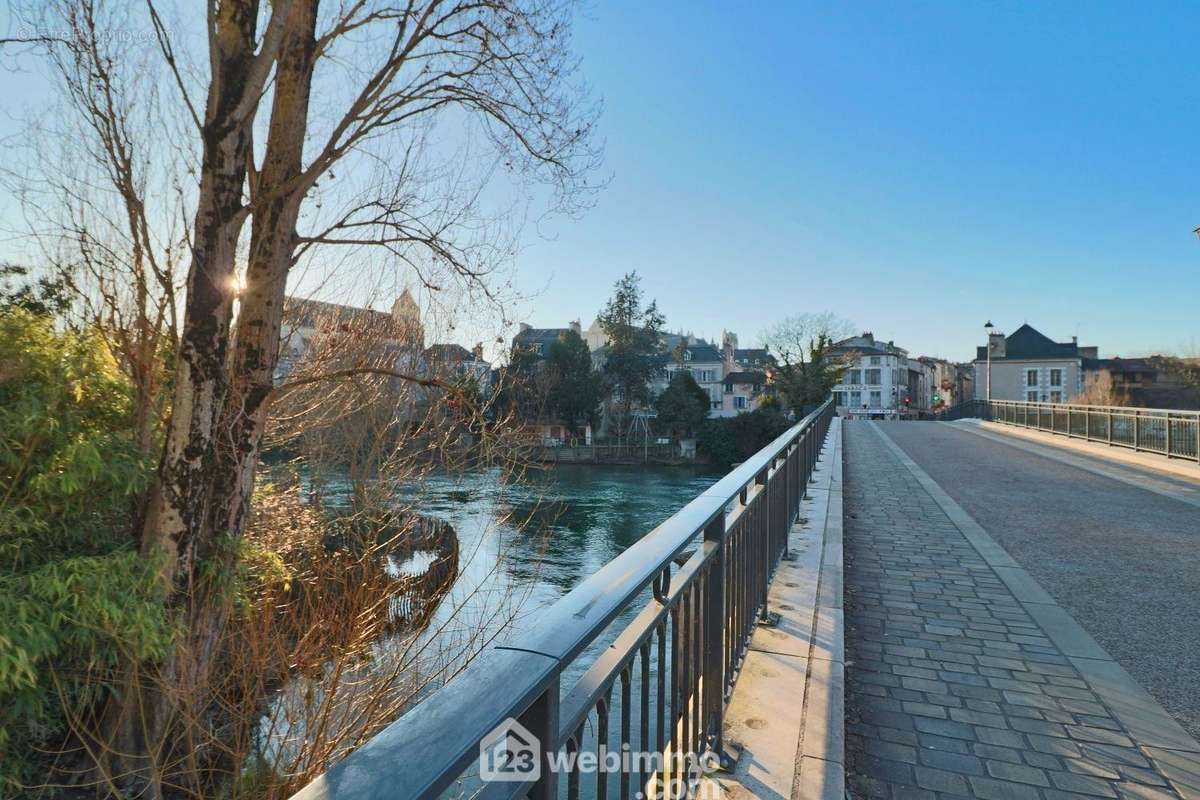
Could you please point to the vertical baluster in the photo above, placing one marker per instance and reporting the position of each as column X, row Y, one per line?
column 542, row 719
column 660, row 723
column 644, row 716
column 602, row 709
column 626, row 727
column 573, row 745
column 714, row 635
column 763, row 545
column 676, row 657
column 683, row 654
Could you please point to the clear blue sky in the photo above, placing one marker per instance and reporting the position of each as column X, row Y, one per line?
column 916, row 168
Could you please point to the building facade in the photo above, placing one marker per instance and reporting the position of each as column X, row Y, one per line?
column 703, row 361
column 1028, row 365
column 877, row 380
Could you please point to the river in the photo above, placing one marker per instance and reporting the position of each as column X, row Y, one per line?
column 523, row 545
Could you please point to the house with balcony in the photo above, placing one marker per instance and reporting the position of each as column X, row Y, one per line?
column 877, row 380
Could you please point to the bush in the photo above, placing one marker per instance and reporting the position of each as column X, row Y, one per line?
column 733, row 439
column 75, row 598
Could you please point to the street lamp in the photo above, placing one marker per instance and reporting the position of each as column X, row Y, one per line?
column 988, row 326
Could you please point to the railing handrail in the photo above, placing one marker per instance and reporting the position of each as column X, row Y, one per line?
column 1117, row 409
column 1173, row 433
column 426, row 749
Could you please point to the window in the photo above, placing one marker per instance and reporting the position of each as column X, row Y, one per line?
column 876, row 400
column 855, row 377
column 839, row 398
column 873, row 378
column 1056, row 378
column 1056, row 397
column 1031, row 396
column 874, row 360
column 739, row 402
column 687, row 355
column 856, row 399
column 1031, row 376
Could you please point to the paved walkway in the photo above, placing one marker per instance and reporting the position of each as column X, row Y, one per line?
column 964, row 678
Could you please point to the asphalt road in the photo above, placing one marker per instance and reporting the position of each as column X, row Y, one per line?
column 1124, row 561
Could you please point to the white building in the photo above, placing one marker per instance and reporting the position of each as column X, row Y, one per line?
column 1027, row 365
column 879, row 378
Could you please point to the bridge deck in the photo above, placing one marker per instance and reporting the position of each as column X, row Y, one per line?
column 965, row 678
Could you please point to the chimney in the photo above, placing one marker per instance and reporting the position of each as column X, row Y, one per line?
column 997, row 345
column 525, row 326
column 1074, row 340
column 477, row 351
column 576, row 326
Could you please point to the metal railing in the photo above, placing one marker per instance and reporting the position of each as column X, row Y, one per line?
column 660, row 687
column 1174, row 434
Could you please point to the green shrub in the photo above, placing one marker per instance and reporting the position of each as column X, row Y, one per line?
column 75, row 598
column 729, row 440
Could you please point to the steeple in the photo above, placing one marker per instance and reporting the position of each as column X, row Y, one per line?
column 406, row 315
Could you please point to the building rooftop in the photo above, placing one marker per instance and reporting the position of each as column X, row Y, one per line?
column 1027, row 342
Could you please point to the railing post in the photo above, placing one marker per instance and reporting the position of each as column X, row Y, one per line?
column 541, row 719
column 1137, row 431
column 765, row 552
column 713, row 696
column 1168, row 434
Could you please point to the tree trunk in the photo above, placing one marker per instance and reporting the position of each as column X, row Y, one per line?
column 255, row 350
column 137, row 722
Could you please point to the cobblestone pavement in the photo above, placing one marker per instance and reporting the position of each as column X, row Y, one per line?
column 952, row 689
column 1122, row 560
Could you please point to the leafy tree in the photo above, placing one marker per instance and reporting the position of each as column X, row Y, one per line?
column 682, row 407
column 520, row 392
column 633, row 329
column 730, row 440
column 46, row 296
column 75, row 597
column 573, row 388
column 807, row 370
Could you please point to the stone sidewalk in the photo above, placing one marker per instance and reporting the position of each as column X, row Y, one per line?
column 963, row 677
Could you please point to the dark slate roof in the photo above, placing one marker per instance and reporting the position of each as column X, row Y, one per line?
column 749, row 377
column 448, row 354
column 539, row 335
column 1027, row 342
column 704, row 352
column 753, row 355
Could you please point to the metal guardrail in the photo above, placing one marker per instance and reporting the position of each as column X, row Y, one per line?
column 1170, row 433
column 671, row 668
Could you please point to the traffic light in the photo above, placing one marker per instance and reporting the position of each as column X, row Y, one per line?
column 937, row 398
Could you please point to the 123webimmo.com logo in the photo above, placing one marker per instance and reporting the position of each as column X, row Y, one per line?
column 512, row 753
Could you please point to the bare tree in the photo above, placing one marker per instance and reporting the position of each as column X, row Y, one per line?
column 388, row 81
column 101, row 191
column 807, row 369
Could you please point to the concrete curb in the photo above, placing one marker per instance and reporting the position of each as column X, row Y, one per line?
column 1153, row 730
column 787, row 713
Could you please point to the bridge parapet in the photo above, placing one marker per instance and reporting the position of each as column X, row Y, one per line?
column 661, row 687
column 1166, row 432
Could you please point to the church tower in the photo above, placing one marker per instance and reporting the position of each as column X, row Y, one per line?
column 406, row 315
